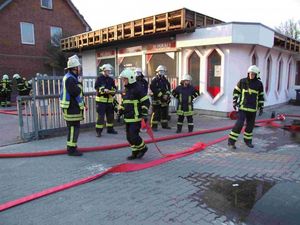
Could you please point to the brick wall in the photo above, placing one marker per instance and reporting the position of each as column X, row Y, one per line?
column 27, row 60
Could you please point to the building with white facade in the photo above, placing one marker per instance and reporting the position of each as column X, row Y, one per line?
column 214, row 53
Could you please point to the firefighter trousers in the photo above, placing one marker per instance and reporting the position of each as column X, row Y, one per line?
column 236, row 130
column 160, row 115
column 133, row 136
column 73, row 133
column 180, row 122
column 105, row 109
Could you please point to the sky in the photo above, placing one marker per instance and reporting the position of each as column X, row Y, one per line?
column 105, row 13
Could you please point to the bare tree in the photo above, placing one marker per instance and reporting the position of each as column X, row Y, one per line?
column 290, row 28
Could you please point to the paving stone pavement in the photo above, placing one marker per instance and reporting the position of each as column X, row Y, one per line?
column 204, row 188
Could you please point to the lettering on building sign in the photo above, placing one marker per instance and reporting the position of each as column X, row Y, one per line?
column 130, row 50
column 162, row 46
column 105, row 53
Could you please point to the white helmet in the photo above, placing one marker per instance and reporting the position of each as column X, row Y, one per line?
column 16, row 76
column 107, row 67
column 254, row 69
column 161, row 70
column 73, row 61
column 186, row 77
column 5, row 77
column 138, row 71
column 30, row 82
column 129, row 74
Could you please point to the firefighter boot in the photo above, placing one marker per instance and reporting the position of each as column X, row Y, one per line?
column 111, row 130
column 72, row 151
column 154, row 127
column 142, row 152
column 179, row 128
column 231, row 144
column 133, row 155
column 165, row 126
column 98, row 132
column 249, row 144
column 191, row 128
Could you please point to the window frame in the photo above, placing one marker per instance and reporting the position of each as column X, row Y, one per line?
column 47, row 7
column 22, row 36
column 52, row 34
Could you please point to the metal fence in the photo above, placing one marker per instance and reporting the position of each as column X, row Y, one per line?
column 39, row 114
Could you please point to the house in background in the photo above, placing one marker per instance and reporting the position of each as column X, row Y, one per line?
column 27, row 27
column 216, row 54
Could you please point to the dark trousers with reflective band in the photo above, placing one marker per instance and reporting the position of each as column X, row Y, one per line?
column 160, row 115
column 73, row 133
column 133, row 137
column 236, row 130
column 105, row 109
column 180, row 122
column 5, row 99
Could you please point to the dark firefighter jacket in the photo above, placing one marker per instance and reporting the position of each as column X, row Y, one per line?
column 143, row 83
column 5, row 86
column 185, row 96
column 160, row 86
column 135, row 103
column 248, row 95
column 105, row 82
column 71, row 98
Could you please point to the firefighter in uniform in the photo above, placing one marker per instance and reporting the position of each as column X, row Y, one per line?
column 140, row 78
column 105, row 92
column 72, row 103
column 185, row 93
column 134, row 107
column 248, row 97
column 21, row 85
column 5, row 91
column 161, row 91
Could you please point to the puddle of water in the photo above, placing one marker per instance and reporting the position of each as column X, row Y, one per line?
column 233, row 199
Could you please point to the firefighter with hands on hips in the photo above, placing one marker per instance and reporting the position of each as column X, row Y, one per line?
column 140, row 78
column 134, row 107
column 248, row 98
column 185, row 93
column 105, row 91
column 72, row 103
column 161, row 91
column 5, row 91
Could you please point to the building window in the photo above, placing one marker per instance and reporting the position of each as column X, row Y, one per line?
column 254, row 59
column 168, row 59
column 46, row 4
column 129, row 62
column 297, row 77
column 56, row 34
column 279, row 76
column 27, row 33
column 214, row 73
column 194, row 69
column 268, row 74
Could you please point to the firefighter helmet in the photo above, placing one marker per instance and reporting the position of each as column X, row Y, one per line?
column 5, row 77
column 161, row 70
column 129, row 74
column 73, row 61
column 254, row 69
column 138, row 71
column 107, row 67
column 16, row 76
column 186, row 77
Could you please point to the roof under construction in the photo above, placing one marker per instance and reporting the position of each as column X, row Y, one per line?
column 178, row 21
column 160, row 25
